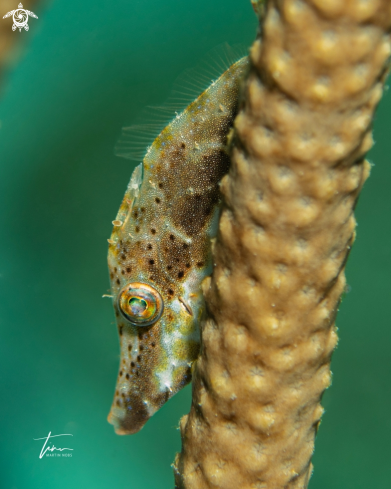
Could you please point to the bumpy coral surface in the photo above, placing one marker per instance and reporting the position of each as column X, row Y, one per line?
column 284, row 237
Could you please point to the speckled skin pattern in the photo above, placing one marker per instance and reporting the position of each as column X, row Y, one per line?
column 161, row 237
column 286, row 228
column 8, row 37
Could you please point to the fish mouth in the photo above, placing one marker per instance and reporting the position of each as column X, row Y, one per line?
column 136, row 398
column 148, row 376
column 130, row 415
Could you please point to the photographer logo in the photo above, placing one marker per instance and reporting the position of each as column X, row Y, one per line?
column 20, row 17
column 53, row 451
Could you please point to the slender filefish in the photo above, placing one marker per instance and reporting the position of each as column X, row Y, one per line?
column 159, row 252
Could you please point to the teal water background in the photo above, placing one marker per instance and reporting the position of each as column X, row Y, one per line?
column 87, row 69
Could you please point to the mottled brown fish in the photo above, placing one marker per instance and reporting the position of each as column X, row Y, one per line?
column 159, row 252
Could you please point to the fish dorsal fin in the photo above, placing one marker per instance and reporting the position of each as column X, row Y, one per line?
column 136, row 138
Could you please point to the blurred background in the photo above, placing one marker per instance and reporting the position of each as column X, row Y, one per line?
column 82, row 71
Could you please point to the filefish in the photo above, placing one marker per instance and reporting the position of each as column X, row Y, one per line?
column 159, row 252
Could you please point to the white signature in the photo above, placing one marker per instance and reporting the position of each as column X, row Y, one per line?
column 51, row 448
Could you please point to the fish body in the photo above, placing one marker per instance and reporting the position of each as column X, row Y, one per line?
column 159, row 252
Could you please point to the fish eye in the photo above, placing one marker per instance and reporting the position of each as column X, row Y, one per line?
column 140, row 304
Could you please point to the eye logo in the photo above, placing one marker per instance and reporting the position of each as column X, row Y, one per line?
column 20, row 17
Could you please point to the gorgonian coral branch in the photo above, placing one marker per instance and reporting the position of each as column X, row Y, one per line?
column 287, row 225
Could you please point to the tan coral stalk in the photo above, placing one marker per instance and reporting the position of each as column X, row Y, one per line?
column 285, row 233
